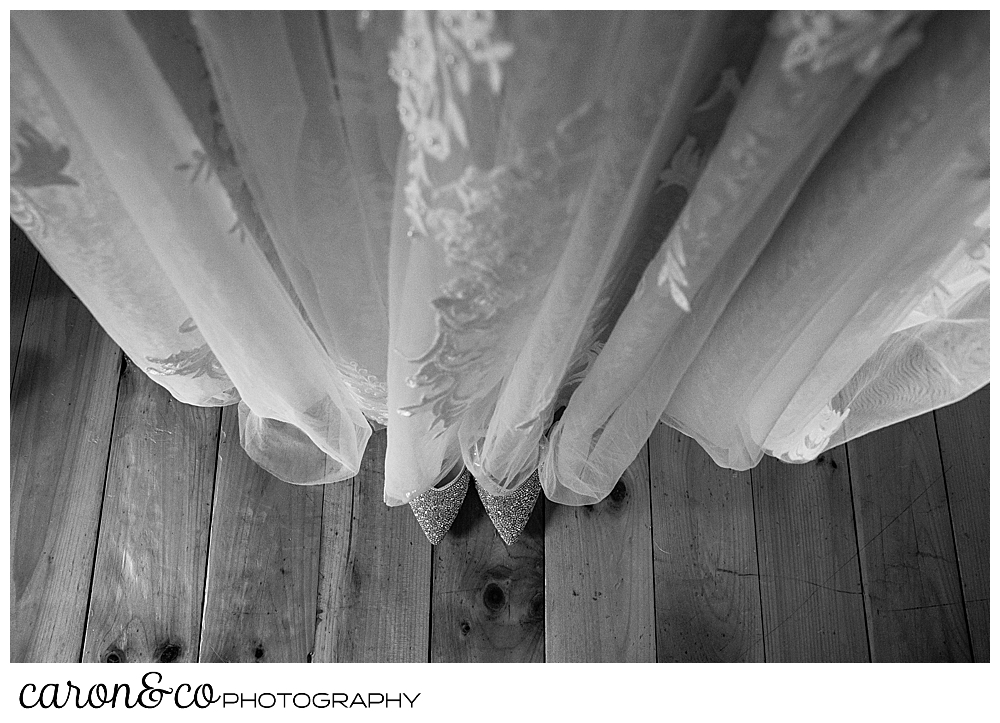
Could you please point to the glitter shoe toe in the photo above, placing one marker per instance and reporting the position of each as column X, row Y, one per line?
column 510, row 512
column 437, row 508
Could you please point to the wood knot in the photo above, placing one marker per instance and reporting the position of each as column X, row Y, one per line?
column 821, row 460
column 536, row 609
column 114, row 654
column 258, row 652
column 465, row 627
column 619, row 495
column 494, row 597
column 168, row 652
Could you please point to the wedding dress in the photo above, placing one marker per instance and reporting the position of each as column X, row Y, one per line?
column 518, row 240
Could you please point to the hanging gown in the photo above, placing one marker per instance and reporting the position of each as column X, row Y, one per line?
column 520, row 240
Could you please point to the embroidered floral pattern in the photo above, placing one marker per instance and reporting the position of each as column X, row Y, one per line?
column 437, row 62
column 672, row 273
column 25, row 213
column 729, row 84
column 968, row 270
column 484, row 222
column 223, row 399
column 497, row 227
column 192, row 363
column 433, row 64
column 685, row 167
column 819, row 39
column 683, row 171
column 201, row 168
column 369, row 392
column 38, row 161
column 812, row 439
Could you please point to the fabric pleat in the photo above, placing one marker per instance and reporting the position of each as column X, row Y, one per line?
column 519, row 240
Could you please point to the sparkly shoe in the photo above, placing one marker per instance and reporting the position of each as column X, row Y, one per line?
column 510, row 512
column 438, row 507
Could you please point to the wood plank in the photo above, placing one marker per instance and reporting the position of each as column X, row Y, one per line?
column 62, row 409
column 963, row 431
column 488, row 599
column 145, row 604
column 263, row 562
column 599, row 576
column 807, row 553
column 23, row 258
column 375, row 573
column 704, row 556
column 913, row 592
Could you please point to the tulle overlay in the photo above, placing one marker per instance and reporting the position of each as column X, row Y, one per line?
column 519, row 241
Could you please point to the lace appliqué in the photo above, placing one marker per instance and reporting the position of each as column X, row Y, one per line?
column 25, row 213
column 194, row 363
column 686, row 166
column 484, row 223
column 36, row 162
column 497, row 228
column 871, row 41
column 812, row 439
column 969, row 270
column 433, row 65
column 729, row 84
column 369, row 392
column 672, row 273
column 201, row 167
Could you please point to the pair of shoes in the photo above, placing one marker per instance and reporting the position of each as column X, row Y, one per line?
column 437, row 508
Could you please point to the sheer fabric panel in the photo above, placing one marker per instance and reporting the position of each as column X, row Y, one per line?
column 519, row 240
column 303, row 423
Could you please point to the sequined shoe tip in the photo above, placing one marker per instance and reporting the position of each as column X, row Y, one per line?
column 510, row 512
column 437, row 508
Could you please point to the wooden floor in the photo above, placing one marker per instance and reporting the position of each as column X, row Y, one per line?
column 141, row 532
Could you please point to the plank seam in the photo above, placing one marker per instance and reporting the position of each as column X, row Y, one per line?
column 319, row 576
column 348, row 559
column 652, row 548
column 546, row 622
column 208, row 542
column 756, row 545
column 545, row 613
column 954, row 541
column 24, row 322
column 100, row 512
column 857, row 556
column 430, row 611
column 857, row 547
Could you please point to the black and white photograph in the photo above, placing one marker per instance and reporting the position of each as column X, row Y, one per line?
column 515, row 336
